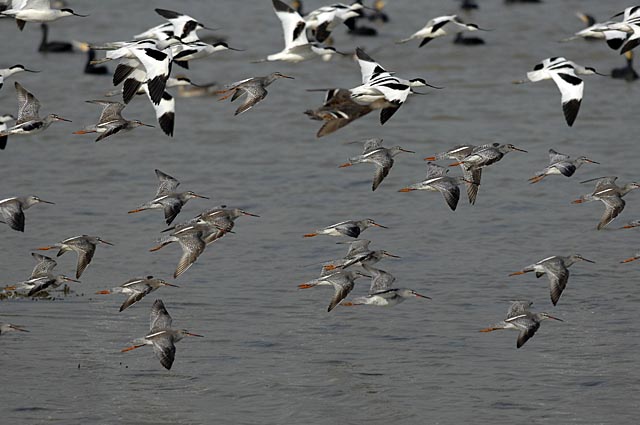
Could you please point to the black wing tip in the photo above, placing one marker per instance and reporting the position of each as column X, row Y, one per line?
column 630, row 45
column 425, row 41
column 360, row 54
column 166, row 122
column 570, row 110
column 168, row 14
column 281, row 6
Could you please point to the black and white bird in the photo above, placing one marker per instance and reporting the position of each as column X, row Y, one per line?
column 560, row 163
column 323, row 20
column 565, row 74
column 381, row 89
column 440, row 26
column 374, row 153
column 557, row 270
column 7, row 72
column 12, row 210
column 161, row 337
column 4, row 119
column 520, row 318
column 167, row 199
column 36, row 11
column 296, row 45
column 630, row 26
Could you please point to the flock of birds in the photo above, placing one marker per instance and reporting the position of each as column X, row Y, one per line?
column 144, row 68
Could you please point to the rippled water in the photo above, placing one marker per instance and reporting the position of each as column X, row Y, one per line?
column 272, row 354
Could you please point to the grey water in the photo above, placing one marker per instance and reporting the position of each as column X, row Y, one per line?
column 271, row 353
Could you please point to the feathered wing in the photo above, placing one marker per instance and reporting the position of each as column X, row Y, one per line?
column 571, row 88
column 293, row 26
column 613, row 207
column 28, row 105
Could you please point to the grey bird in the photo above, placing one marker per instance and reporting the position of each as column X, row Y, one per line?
column 12, row 210
column 110, row 121
column 610, row 194
column 483, row 156
column 221, row 219
column 521, row 319
column 341, row 281
column 136, row 289
column 381, row 157
column 29, row 121
column 84, row 246
column 382, row 292
column 338, row 110
column 459, row 152
column 161, row 337
column 8, row 327
column 42, row 277
column 359, row 255
column 557, row 270
column 350, row 228
column 167, row 198
column 254, row 88
column 438, row 181
column 560, row 163
column 192, row 241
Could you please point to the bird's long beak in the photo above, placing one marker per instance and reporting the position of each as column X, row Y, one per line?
column 47, row 202
column 489, row 329
column 31, row 70
column 305, row 286
column 104, row 292
column 602, row 75
column 63, row 119
column 519, row 150
column 577, row 201
column 380, row 225
column 68, row 279
column 516, row 273
column 346, row 164
column 171, row 284
column 433, row 87
column 591, row 161
column 190, row 334
column 77, row 14
column 430, row 158
column 105, row 242
column 587, row 260
column 147, row 125
column 422, row 296
column 18, row 328
column 200, row 196
column 455, row 164
column 391, row 255
column 46, row 248
column 250, row 214
column 555, row 318
column 210, row 29
column 406, row 150
column 629, row 226
column 406, row 189
column 286, row 76
column 628, row 260
column 133, row 347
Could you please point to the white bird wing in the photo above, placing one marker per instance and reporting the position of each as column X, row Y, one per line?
column 571, row 88
column 369, row 68
column 293, row 25
column 33, row 4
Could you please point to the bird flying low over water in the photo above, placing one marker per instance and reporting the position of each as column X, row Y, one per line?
column 350, row 228
column 442, row 25
column 557, row 270
column 377, row 155
column 520, row 318
column 167, row 198
column 136, row 289
column 341, row 281
column 296, row 45
column 610, row 194
column 161, row 337
column 12, row 210
column 381, row 89
column 254, row 88
column 438, row 181
column 84, row 246
column 36, row 11
column 7, row 72
column 323, row 20
column 29, row 121
column 560, row 163
column 42, row 277
column 338, row 110
column 110, row 121
column 565, row 74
